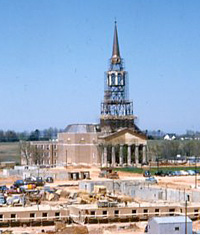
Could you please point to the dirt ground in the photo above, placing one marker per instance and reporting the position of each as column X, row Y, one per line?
column 178, row 182
column 119, row 228
column 196, row 225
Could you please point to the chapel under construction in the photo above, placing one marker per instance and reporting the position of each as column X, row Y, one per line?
column 116, row 141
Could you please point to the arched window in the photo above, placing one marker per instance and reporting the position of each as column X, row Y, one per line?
column 112, row 79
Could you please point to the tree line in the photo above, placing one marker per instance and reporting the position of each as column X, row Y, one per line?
column 169, row 149
column 12, row 136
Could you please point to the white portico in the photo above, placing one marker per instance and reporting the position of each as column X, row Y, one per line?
column 123, row 148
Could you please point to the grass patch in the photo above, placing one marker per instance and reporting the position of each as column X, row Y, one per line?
column 153, row 170
column 10, row 152
column 131, row 170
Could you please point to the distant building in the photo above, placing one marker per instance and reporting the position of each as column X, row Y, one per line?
column 177, row 159
column 193, row 159
column 169, row 225
column 170, row 137
column 49, row 155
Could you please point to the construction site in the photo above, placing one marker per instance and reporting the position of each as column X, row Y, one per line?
column 75, row 184
column 106, row 200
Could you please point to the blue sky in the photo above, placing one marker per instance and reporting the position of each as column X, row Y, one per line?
column 53, row 55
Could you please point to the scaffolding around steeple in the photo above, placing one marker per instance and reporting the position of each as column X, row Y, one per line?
column 116, row 109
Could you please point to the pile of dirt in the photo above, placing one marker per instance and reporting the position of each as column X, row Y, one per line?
column 109, row 229
column 133, row 227
column 79, row 229
column 96, row 230
column 7, row 231
column 61, row 228
column 196, row 225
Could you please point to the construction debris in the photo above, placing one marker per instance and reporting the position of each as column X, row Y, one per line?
column 61, row 228
column 108, row 172
column 100, row 189
column 7, row 231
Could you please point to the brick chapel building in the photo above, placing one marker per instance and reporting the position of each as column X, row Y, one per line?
column 115, row 141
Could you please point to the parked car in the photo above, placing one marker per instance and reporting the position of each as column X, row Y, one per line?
column 49, row 179
column 184, row 173
column 14, row 190
column 2, row 200
column 16, row 200
column 147, row 174
column 160, row 173
column 166, row 173
column 3, row 188
column 18, row 183
column 177, row 173
column 157, row 173
column 49, row 189
column 38, row 181
column 27, row 187
column 191, row 172
column 174, row 173
column 170, row 173
column 152, row 180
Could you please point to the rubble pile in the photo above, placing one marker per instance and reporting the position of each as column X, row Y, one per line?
column 35, row 191
column 61, row 228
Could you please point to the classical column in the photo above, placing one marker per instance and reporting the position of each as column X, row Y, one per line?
column 129, row 155
column 136, row 154
column 113, row 156
column 105, row 151
column 102, row 157
column 121, row 155
column 144, row 160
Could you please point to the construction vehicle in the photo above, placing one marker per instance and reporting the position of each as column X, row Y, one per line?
column 109, row 173
column 38, row 181
column 100, row 189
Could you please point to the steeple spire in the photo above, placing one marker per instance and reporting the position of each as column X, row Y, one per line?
column 116, row 59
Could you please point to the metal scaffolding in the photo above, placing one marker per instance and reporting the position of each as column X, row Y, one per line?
column 116, row 109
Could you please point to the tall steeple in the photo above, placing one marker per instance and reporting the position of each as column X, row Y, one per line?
column 116, row 59
column 116, row 108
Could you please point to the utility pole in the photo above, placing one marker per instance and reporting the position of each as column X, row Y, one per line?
column 150, row 165
column 38, row 168
column 113, row 186
column 157, row 159
column 186, row 216
column 195, row 171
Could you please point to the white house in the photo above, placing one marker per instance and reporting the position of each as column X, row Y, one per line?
column 170, row 137
column 169, row 225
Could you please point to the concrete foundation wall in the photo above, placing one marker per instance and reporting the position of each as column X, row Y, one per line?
column 142, row 190
column 61, row 175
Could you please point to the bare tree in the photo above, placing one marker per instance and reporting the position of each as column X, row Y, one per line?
column 37, row 155
column 26, row 151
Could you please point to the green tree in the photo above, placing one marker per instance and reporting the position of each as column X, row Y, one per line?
column 11, row 136
column 35, row 135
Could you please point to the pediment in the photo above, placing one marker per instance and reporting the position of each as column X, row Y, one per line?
column 125, row 136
